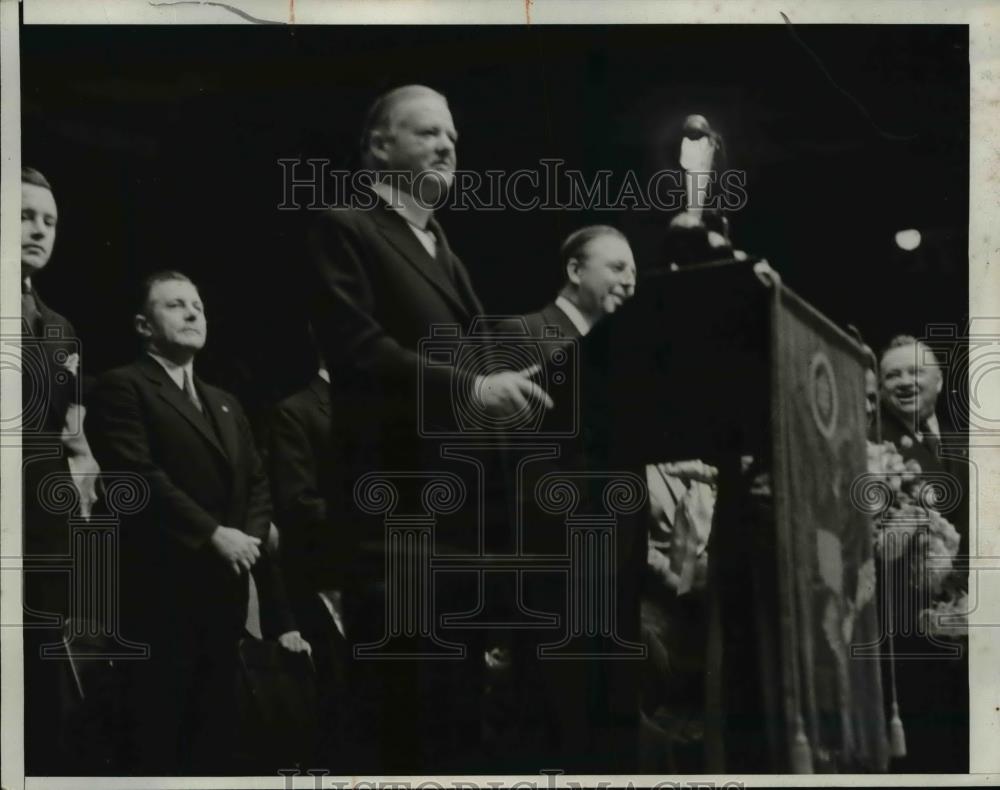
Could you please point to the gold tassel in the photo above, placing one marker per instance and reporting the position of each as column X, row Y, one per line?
column 801, row 752
column 897, row 737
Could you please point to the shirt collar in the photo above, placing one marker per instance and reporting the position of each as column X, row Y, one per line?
column 404, row 204
column 933, row 426
column 573, row 314
column 175, row 371
column 324, row 374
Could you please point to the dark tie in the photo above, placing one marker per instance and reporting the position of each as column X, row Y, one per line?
column 441, row 248
column 30, row 316
column 930, row 439
column 190, row 392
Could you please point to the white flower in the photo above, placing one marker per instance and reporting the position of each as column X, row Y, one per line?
column 72, row 363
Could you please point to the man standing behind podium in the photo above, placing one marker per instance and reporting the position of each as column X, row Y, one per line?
column 576, row 713
column 911, row 386
column 933, row 692
column 600, row 278
column 186, row 557
column 385, row 275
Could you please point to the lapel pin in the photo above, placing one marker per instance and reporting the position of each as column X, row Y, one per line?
column 225, row 408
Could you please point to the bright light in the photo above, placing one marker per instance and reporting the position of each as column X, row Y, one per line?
column 908, row 239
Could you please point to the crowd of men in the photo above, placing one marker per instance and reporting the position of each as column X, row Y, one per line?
column 233, row 538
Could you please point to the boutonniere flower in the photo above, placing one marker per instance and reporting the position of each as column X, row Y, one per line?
column 72, row 363
column 906, row 442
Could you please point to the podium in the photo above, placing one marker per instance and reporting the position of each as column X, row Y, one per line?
column 716, row 363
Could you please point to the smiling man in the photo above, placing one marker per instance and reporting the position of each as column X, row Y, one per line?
column 911, row 383
column 933, row 692
column 187, row 556
column 566, row 721
column 600, row 278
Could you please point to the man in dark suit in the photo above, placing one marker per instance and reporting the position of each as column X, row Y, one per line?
column 300, row 466
column 911, row 384
column 53, row 445
column 932, row 689
column 584, row 730
column 187, row 556
column 385, row 276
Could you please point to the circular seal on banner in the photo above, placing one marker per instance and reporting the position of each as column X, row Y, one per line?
column 823, row 394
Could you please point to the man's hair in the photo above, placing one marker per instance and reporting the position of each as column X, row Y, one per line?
column 901, row 341
column 578, row 239
column 168, row 275
column 379, row 116
column 31, row 176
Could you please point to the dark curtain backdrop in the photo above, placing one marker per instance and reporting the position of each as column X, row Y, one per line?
column 162, row 145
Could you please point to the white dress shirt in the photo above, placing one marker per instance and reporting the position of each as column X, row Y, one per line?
column 573, row 314
column 408, row 208
column 175, row 371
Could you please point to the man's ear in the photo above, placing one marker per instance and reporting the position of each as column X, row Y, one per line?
column 141, row 324
column 378, row 142
column 573, row 270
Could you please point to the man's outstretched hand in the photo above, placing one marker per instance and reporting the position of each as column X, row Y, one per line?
column 510, row 392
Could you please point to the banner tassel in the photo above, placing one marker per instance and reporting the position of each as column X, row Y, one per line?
column 801, row 751
column 897, row 737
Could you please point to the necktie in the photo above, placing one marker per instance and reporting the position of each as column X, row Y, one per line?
column 190, row 391
column 930, row 439
column 30, row 315
column 441, row 246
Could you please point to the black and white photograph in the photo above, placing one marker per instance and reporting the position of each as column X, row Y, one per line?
column 457, row 393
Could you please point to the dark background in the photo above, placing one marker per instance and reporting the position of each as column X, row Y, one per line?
column 162, row 146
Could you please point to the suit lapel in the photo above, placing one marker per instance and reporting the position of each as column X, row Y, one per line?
column 218, row 408
column 322, row 392
column 397, row 232
column 460, row 277
column 552, row 315
column 173, row 395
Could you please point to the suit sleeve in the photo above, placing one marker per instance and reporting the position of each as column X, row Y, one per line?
column 275, row 611
column 351, row 339
column 258, row 512
column 119, row 440
column 298, row 502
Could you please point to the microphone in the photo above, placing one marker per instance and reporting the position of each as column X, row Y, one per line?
column 697, row 126
column 700, row 149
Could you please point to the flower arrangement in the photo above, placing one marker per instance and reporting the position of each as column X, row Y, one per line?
column 910, row 527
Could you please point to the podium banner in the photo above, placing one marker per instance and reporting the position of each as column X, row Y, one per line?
column 834, row 701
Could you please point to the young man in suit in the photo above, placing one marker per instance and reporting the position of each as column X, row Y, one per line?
column 187, row 555
column 385, row 276
column 53, row 443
